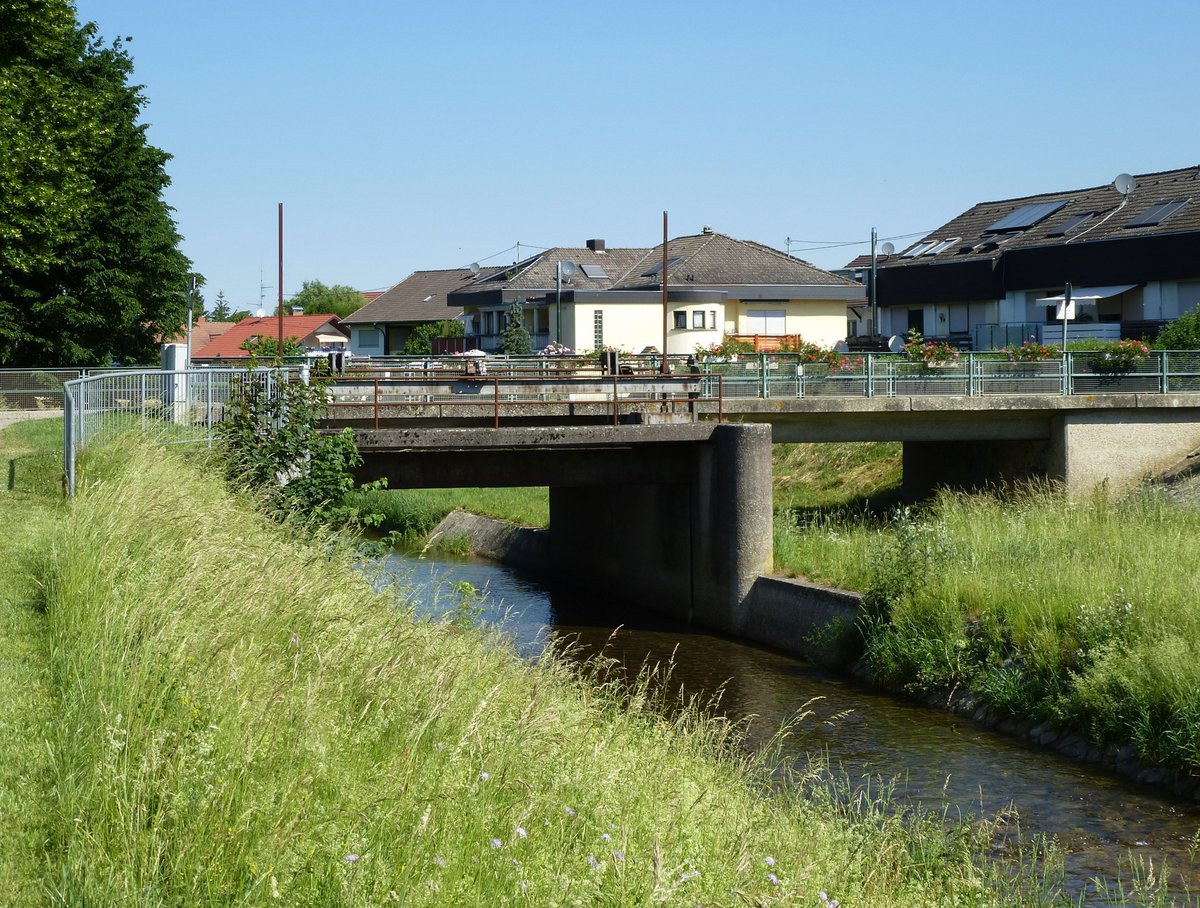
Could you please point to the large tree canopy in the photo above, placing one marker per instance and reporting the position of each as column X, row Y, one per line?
column 90, row 268
column 318, row 299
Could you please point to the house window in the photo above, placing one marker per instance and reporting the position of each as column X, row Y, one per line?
column 368, row 338
column 712, row 319
column 489, row 322
column 598, row 328
column 680, row 319
column 698, row 318
column 770, row 322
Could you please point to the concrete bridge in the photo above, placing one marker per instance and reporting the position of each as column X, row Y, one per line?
column 662, row 494
column 678, row 517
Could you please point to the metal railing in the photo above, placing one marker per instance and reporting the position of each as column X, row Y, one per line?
column 181, row 407
column 384, row 395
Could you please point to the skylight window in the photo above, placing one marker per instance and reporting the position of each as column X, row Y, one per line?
column 593, row 271
column 657, row 269
column 1025, row 217
column 920, row 249
column 1074, row 222
column 941, row 246
column 1156, row 214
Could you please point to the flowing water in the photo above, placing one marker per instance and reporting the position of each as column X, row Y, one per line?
column 936, row 760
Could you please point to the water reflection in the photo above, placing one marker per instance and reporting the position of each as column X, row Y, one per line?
column 936, row 760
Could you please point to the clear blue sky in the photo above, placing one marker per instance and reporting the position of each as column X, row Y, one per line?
column 413, row 135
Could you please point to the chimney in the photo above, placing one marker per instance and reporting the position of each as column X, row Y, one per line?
column 707, row 231
column 297, row 310
column 596, row 245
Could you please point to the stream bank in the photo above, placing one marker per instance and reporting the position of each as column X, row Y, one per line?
column 814, row 622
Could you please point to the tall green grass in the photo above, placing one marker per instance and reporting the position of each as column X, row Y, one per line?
column 29, row 509
column 243, row 720
column 1085, row 613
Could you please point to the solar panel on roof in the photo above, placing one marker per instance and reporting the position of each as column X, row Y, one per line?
column 1025, row 216
column 1156, row 214
column 1069, row 224
column 592, row 271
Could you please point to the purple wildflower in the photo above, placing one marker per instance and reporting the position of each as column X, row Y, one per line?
column 774, row 879
column 351, row 858
column 618, row 856
column 568, row 811
column 769, row 861
column 484, row 776
column 592, row 862
column 441, row 861
column 605, row 837
column 496, row 843
column 521, row 833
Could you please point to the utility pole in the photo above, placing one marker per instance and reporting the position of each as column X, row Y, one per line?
column 665, row 368
column 874, row 318
column 279, row 349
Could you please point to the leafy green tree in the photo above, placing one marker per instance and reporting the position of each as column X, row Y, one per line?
column 420, row 341
column 220, row 311
column 267, row 346
column 514, row 339
column 1181, row 334
column 318, row 299
column 90, row 268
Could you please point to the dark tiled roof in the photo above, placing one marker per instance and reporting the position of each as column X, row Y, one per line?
column 420, row 297
column 714, row 259
column 539, row 272
column 1110, row 217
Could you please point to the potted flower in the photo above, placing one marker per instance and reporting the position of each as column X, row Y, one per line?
column 1031, row 352
column 1118, row 357
column 930, row 353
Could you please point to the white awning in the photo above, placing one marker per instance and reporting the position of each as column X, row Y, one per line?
column 331, row 338
column 1089, row 293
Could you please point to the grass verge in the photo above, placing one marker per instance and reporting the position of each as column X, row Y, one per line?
column 29, row 506
column 243, row 719
column 413, row 513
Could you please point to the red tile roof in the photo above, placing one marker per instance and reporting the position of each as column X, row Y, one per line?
column 301, row 327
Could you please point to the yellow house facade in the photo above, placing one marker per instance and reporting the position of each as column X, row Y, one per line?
column 594, row 298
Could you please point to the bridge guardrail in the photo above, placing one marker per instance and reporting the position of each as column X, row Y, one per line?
column 622, row 393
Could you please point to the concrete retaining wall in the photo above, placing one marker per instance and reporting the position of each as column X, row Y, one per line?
column 499, row 540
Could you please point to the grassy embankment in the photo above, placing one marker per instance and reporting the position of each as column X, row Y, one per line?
column 234, row 716
column 29, row 511
column 1085, row 614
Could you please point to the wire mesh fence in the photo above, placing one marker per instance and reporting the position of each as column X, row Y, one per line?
column 174, row 407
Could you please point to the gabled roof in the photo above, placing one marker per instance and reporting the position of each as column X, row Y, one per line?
column 717, row 260
column 706, row 259
column 203, row 332
column 539, row 272
column 302, row 327
column 420, row 297
column 1060, row 218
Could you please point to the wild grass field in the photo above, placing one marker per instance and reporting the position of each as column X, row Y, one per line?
column 225, row 711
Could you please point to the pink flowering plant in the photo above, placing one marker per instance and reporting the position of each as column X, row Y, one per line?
column 1032, row 352
column 728, row 346
column 930, row 352
column 1118, row 356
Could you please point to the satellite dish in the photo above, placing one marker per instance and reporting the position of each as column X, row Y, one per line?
column 896, row 343
column 887, row 248
column 474, row 266
column 1124, row 183
column 568, row 269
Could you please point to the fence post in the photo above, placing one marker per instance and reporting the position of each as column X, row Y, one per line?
column 763, row 390
column 1164, row 383
column 972, row 390
column 870, row 374
column 69, row 410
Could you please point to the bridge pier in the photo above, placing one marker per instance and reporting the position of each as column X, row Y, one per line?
column 690, row 549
